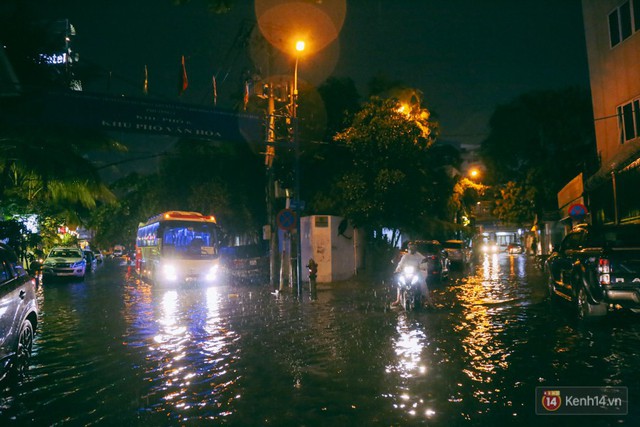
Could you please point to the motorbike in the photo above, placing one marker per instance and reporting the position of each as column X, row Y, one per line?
column 409, row 288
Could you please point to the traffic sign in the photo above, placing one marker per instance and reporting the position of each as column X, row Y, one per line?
column 578, row 211
column 286, row 219
column 297, row 204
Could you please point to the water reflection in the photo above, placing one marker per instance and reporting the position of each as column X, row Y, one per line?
column 485, row 325
column 124, row 352
column 411, row 367
column 188, row 348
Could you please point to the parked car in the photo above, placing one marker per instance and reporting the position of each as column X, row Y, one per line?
column 438, row 263
column 596, row 268
column 247, row 263
column 515, row 248
column 118, row 251
column 64, row 262
column 458, row 251
column 92, row 262
column 18, row 314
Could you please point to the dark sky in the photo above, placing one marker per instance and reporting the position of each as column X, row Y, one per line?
column 466, row 56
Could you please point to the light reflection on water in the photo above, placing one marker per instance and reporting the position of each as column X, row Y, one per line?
column 409, row 347
column 188, row 357
column 130, row 353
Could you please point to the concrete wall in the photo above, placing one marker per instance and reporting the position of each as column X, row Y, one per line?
column 338, row 255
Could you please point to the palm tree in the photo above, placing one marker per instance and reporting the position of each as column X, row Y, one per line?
column 46, row 169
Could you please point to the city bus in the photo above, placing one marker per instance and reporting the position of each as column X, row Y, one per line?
column 177, row 247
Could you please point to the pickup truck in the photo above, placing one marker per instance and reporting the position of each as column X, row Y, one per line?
column 597, row 268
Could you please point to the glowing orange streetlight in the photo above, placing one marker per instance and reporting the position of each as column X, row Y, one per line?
column 299, row 48
column 474, row 173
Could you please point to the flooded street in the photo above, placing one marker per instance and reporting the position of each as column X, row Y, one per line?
column 116, row 351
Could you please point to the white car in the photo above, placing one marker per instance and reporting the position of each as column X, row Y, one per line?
column 64, row 262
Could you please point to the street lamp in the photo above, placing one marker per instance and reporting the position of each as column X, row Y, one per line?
column 299, row 49
column 294, row 114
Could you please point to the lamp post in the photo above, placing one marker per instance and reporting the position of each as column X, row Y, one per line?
column 294, row 115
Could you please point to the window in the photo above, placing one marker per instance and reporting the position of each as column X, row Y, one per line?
column 624, row 21
column 629, row 120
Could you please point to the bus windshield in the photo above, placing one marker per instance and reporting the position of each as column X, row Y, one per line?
column 185, row 239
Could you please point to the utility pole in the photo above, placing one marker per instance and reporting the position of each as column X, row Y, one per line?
column 270, row 193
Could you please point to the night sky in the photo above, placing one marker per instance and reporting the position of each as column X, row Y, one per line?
column 466, row 56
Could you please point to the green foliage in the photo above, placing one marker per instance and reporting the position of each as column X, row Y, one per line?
column 543, row 138
column 393, row 181
column 221, row 179
column 515, row 204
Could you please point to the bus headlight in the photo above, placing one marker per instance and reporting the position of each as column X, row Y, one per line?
column 212, row 273
column 170, row 272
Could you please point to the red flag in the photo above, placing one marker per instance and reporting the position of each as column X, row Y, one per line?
column 145, row 89
column 215, row 91
column 246, row 94
column 184, row 82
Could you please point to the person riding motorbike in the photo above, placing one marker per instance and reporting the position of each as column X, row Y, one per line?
column 414, row 258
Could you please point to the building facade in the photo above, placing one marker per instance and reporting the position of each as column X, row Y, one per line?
column 612, row 33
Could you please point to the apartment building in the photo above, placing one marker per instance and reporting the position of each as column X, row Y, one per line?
column 612, row 32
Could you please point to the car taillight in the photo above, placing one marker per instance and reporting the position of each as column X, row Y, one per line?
column 604, row 271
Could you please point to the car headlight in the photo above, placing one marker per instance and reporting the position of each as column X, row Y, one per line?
column 78, row 264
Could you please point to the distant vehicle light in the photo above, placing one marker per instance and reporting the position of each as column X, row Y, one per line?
column 490, row 248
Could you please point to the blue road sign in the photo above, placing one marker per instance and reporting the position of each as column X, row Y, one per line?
column 577, row 210
column 286, row 219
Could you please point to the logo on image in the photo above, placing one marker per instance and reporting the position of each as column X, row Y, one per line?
column 551, row 400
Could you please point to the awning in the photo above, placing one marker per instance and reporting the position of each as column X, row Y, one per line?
column 629, row 153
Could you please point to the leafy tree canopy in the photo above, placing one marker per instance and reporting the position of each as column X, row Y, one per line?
column 543, row 139
column 392, row 182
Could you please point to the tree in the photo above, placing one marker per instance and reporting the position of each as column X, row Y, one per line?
column 44, row 171
column 515, row 204
column 392, row 182
column 215, row 178
column 543, row 139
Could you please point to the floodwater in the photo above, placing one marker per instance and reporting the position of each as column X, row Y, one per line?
column 116, row 351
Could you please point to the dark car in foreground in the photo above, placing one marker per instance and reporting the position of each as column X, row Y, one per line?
column 246, row 263
column 597, row 268
column 18, row 314
column 438, row 262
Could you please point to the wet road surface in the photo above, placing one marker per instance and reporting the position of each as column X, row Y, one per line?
column 116, row 351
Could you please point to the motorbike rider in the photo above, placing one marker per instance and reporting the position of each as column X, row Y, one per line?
column 416, row 259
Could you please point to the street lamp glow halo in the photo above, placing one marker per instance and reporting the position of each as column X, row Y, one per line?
column 318, row 24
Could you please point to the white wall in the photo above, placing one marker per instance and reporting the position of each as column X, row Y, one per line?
column 338, row 256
